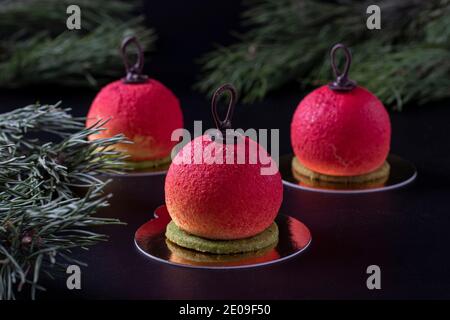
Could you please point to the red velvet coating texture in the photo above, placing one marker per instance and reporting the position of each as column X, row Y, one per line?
column 147, row 113
column 341, row 133
column 222, row 201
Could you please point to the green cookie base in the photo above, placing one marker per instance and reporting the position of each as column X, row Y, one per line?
column 148, row 164
column 302, row 173
column 262, row 240
column 206, row 258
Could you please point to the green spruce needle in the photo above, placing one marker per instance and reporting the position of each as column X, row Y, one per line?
column 407, row 61
column 42, row 214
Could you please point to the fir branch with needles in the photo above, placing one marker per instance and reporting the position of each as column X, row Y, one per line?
column 36, row 47
column 289, row 41
column 50, row 15
column 42, row 215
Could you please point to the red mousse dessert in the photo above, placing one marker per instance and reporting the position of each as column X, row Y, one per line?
column 341, row 132
column 142, row 109
column 210, row 201
column 221, row 201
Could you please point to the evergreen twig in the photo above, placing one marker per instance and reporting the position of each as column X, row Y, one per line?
column 42, row 215
column 37, row 48
column 289, row 40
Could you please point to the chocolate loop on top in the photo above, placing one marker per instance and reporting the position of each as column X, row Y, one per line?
column 342, row 82
column 134, row 72
column 224, row 124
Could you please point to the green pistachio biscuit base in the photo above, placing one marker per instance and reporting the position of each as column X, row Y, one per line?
column 210, row 258
column 262, row 240
column 149, row 164
column 301, row 172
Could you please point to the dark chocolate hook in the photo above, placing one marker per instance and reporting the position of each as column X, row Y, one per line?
column 224, row 124
column 342, row 82
column 134, row 72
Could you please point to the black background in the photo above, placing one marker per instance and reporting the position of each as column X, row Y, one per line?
column 405, row 232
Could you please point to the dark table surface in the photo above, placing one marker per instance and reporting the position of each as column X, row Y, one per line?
column 406, row 231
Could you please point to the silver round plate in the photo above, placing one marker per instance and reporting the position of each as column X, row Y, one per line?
column 402, row 172
column 294, row 238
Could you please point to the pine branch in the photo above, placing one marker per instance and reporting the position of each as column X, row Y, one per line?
column 416, row 74
column 33, row 237
column 50, row 15
column 289, row 40
column 41, row 215
column 51, row 54
column 17, row 124
column 70, row 59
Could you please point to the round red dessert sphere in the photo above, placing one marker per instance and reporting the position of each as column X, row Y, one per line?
column 341, row 133
column 146, row 113
column 222, row 201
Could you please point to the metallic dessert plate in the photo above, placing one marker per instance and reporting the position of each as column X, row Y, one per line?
column 402, row 172
column 150, row 239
